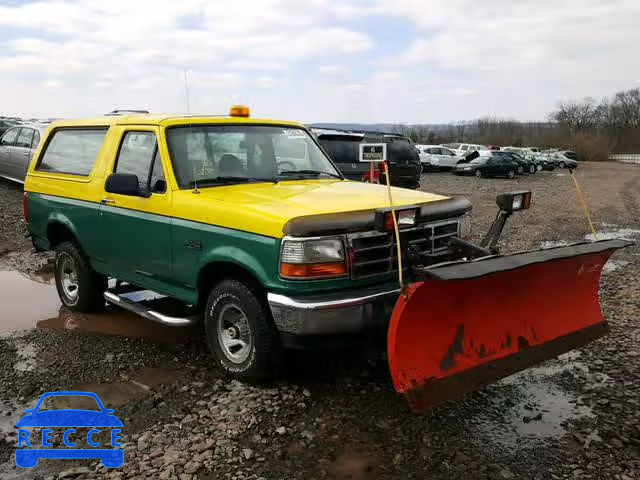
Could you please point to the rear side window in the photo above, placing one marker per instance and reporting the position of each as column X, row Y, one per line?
column 25, row 138
column 9, row 137
column 73, row 151
column 342, row 151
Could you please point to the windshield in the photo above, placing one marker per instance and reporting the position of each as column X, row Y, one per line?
column 222, row 154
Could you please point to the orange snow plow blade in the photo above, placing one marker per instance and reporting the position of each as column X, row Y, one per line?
column 472, row 323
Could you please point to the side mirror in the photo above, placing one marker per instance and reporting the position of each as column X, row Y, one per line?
column 123, row 184
column 159, row 187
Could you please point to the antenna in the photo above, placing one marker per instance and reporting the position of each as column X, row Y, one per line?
column 186, row 92
column 186, row 96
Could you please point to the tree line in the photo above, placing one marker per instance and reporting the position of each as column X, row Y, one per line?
column 594, row 129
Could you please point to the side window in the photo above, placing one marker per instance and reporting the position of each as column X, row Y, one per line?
column 36, row 139
column 136, row 155
column 24, row 138
column 72, row 150
column 157, row 182
column 9, row 137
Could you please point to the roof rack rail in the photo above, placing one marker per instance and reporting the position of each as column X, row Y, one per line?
column 125, row 112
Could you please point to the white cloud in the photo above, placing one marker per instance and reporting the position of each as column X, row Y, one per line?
column 332, row 70
column 354, row 60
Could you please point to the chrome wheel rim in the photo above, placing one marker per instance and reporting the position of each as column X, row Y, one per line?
column 234, row 333
column 478, row 173
column 511, row 174
column 69, row 277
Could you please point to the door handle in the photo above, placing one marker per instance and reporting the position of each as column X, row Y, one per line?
column 108, row 201
column 26, row 154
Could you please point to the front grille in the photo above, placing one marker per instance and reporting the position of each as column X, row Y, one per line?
column 374, row 253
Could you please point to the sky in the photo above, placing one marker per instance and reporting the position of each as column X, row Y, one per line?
column 395, row 61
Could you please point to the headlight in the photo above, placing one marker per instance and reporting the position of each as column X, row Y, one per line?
column 464, row 227
column 314, row 258
column 467, row 168
column 513, row 201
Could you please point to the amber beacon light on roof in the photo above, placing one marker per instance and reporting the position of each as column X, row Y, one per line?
column 239, row 111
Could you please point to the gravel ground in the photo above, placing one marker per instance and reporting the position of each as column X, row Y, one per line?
column 576, row 417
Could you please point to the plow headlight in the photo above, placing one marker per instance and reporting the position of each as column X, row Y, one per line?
column 313, row 258
column 513, row 201
column 406, row 217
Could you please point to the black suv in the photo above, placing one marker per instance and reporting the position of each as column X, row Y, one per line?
column 343, row 148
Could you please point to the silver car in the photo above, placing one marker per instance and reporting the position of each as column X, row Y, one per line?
column 17, row 146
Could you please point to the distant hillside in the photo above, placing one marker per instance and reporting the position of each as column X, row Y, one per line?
column 378, row 127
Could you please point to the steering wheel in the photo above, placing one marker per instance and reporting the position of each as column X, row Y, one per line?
column 286, row 165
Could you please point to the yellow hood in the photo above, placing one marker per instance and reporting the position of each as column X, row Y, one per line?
column 265, row 208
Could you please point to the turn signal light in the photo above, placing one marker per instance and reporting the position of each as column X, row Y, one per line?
column 239, row 111
column 297, row 270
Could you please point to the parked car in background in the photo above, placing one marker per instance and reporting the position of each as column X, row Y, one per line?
column 17, row 146
column 343, row 148
column 435, row 157
column 571, row 155
column 6, row 124
column 560, row 160
column 525, row 165
column 463, row 149
column 488, row 163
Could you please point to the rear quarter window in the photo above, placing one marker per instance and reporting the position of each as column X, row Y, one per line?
column 72, row 151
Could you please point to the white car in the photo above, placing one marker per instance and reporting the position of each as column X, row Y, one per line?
column 436, row 156
column 463, row 149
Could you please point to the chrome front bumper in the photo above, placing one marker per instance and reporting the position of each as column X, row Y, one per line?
column 333, row 313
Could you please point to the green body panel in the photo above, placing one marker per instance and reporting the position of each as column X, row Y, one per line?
column 166, row 254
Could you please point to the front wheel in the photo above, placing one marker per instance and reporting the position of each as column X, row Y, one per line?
column 561, row 165
column 80, row 288
column 532, row 169
column 539, row 167
column 511, row 173
column 478, row 174
column 240, row 332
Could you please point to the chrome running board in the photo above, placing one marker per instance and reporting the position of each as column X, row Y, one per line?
column 148, row 313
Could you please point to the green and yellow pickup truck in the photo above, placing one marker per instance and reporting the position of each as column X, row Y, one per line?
column 245, row 223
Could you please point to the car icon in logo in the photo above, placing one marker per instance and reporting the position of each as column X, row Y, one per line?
column 30, row 450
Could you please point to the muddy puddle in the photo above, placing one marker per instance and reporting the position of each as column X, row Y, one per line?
column 538, row 409
column 25, row 300
column 28, row 302
column 116, row 394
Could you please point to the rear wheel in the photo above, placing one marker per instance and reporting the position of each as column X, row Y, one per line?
column 532, row 169
column 478, row 174
column 240, row 332
column 80, row 288
column 561, row 164
column 539, row 167
column 511, row 173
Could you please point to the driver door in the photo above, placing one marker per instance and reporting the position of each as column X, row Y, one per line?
column 137, row 228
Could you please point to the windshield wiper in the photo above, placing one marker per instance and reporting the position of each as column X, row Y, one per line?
column 309, row 172
column 227, row 180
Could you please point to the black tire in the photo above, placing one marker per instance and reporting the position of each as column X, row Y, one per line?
column 265, row 353
column 532, row 169
column 511, row 173
column 71, row 265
